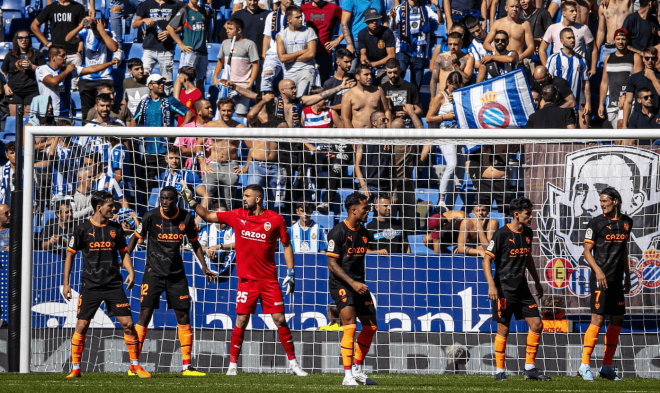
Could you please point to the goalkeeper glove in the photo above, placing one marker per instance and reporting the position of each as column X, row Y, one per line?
column 186, row 194
column 289, row 282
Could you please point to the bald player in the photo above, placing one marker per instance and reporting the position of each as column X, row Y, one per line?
column 521, row 37
column 610, row 18
column 448, row 62
column 362, row 100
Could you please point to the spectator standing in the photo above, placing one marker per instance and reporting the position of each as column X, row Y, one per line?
column 4, row 227
column 185, row 91
column 570, row 66
column 353, row 19
column 254, row 20
column 82, row 199
column 617, row 68
column 19, row 66
column 343, row 60
column 322, row 16
column 135, row 87
column 194, row 21
column 99, row 46
column 157, row 110
column 476, row 232
column 376, row 43
column 642, row 26
column 8, row 170
column 540, row 20
column 411, row 24
column 244, row 58
column 542, row 77
column 158, row 46
column 103, row 117
column 57, row 231
column 551, row 115
column 296, row 48
column 62, row 17
column 317, row 115
column 307, row 236
column 476, row 48
column 276, row 21
column 643, row 79
column 386, row 232
column 400, row 92
column 647, row 116
column 54, row 79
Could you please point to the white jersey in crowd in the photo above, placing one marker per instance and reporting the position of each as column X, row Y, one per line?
column 309, row 240
column 210, row 236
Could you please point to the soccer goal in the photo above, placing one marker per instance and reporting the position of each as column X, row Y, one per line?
column 437, row 196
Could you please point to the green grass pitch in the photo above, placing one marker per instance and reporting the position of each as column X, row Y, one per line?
column 322, row 383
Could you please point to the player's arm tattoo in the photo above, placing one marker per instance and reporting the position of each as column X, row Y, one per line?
column 338, row 271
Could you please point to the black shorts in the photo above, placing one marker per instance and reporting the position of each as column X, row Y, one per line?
column 521, row 307
column 344, row 297
column 175, row 287
column 115, row 301
column 23, row 96
column 610, row 301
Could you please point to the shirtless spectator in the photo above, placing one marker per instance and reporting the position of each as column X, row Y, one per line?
column 586, row 8
column 476, row 233
column 519, row 30
column 610, row 20
column 583, row 37
column 617, row 69
column 642, row 26
column 457, row 27
column 448, row 62
column 362, row 100
column 220, row 168
column 263, row 168
column 289, row 107
column 444, row 227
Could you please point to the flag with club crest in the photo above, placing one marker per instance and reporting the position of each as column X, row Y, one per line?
column 502, row 102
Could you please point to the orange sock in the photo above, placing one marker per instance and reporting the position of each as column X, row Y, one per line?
column 347, row 343
column 500, row 351
column 77, row 346
column 132, row 346
column 364, row 340
column 589, row 342
column 611, row 341
column 185, row 338
column 532, row 346
column 141, row 334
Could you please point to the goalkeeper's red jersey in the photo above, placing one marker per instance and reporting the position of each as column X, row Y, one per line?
column 256, row 241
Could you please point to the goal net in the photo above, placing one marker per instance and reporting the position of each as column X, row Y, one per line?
column 435, row 204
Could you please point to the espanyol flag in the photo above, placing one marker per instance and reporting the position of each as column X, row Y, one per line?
column 502, row 102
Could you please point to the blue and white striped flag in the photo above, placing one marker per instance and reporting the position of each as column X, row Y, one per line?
column 502, row 102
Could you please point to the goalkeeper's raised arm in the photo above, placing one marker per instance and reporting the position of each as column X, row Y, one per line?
column 201, row 211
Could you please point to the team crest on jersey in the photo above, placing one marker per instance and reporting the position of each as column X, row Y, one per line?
column 267, row 226
column 113, row 234
column 313, row 236
column 626, row 226
column 528, row 240
column 182, row 226
column 364, row 239
column 331, row 245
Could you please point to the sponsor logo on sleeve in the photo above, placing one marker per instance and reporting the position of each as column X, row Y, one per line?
column 491, row 245
column 331, row 245
column 71, row 243
column 590, row 234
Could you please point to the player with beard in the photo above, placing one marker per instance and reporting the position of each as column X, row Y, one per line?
column 606, row 252
column 164, row 229
column 257, row 232
column 99, row 240
column 511, row 252
column 348, row 243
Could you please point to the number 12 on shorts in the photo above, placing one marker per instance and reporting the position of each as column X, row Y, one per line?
column 241, row 297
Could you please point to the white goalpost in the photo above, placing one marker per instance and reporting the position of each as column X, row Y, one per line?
column 432, row 308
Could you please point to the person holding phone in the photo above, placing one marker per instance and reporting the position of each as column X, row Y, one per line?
column 19, row 66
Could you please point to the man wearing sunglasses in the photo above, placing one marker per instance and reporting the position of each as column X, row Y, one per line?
column 647, row 116
column 648, row 78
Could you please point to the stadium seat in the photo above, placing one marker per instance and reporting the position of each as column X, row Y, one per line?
column 13, row 20
column 499, row 217
column 5, row 47
column 13, row 4
column 427, row 195
column 213, row 50
column 343, row 194
column 327, row 221
column 131, row 34
column 10, row 125
column 153, row 197
column 417, row 246
column 75, row 100
column 135, row 52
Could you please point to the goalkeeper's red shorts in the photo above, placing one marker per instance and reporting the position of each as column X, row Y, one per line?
column 249, row 291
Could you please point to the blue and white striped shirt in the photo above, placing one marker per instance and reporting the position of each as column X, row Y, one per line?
column 573, row 69
column 109, row 184
column 307, row 240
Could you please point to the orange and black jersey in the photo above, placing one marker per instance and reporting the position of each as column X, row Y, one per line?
column 100, row 246
column 349, row 246
column 165, row 236
column 610, row 240
column 510, row 250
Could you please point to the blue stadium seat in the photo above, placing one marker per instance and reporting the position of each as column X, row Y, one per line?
column 10, row 125
column 153, row 197
column 343, row 194
column 13, row 20
column 327, row 221
column 13, row 4
column 131, row 34
column 5, row 47
column 75, row 99
column 417, row 247
column 501, row 220
column 177, row 53
column 213, row 50
column 135, row 52
column 427, row 194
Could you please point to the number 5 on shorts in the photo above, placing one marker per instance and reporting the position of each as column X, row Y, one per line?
column 241, row 297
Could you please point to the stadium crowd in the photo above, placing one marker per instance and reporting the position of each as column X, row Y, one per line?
column 357, row 64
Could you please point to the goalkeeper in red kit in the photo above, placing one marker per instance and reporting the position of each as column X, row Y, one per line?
column 257, row 232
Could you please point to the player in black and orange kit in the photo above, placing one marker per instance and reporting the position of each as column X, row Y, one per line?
column 510, row 250
column 348, row 243
column 258, row 232
column 165, row 228
column 101, row 241
column 606, row 252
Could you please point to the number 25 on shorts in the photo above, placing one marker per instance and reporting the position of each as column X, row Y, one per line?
column 241, row 297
